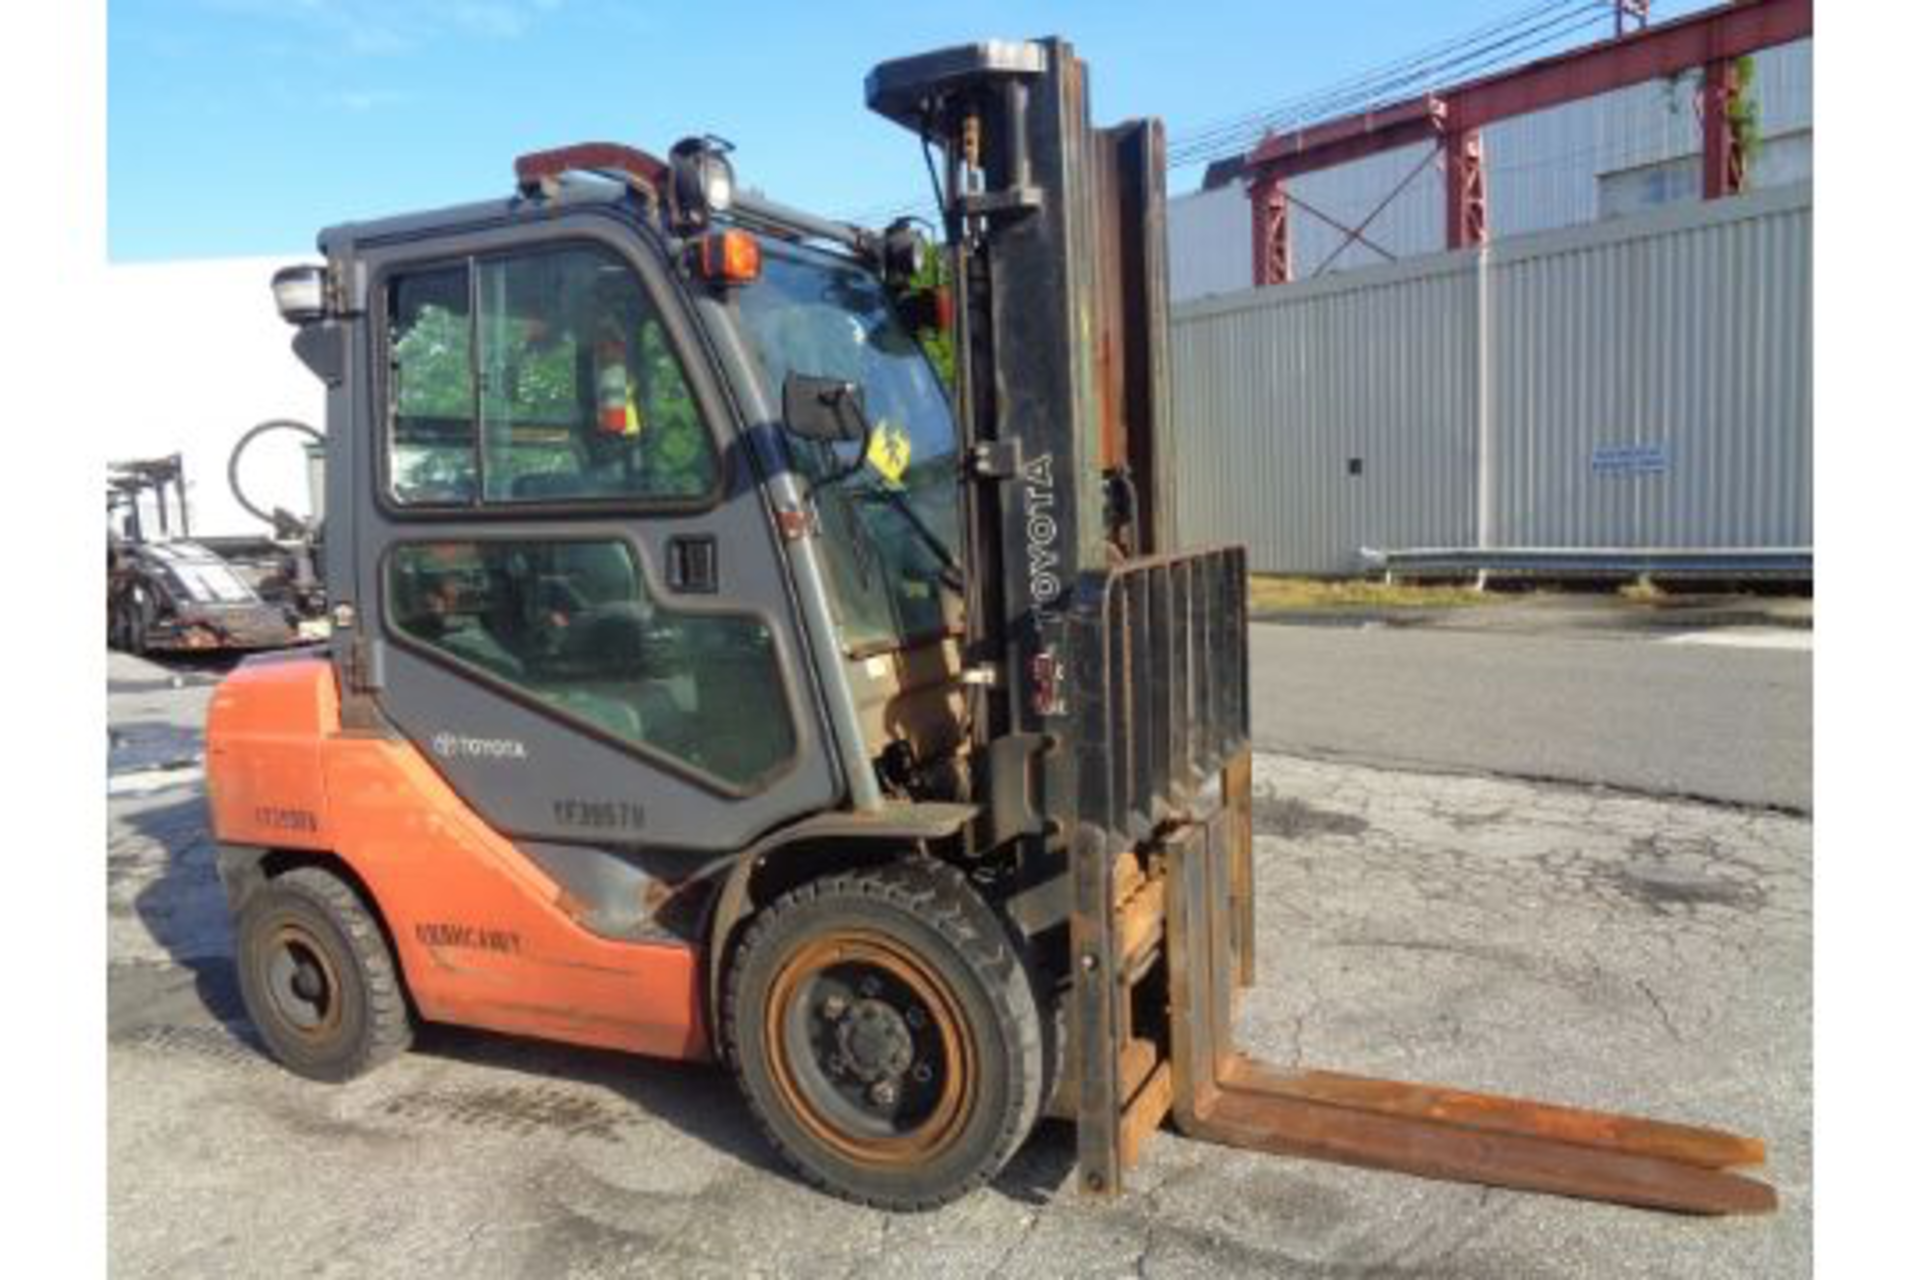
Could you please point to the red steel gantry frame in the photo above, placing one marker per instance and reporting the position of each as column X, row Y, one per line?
column 1453, row 119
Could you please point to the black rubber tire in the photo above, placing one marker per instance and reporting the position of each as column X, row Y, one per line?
column 122, row 625
column 374, row 1023
column 139, row 612
column 929, row 908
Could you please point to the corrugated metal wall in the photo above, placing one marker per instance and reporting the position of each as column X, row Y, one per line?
column 1639, row 382
column 1278, row 391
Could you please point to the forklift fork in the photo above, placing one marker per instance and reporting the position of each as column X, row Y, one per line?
column 1162, row 935
column 1184, row 920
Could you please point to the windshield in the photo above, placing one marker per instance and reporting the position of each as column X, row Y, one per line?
column 890, row 519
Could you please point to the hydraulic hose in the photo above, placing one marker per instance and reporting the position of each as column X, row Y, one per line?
column 278, row 517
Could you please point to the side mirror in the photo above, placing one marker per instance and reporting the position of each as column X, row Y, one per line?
column 824, row 410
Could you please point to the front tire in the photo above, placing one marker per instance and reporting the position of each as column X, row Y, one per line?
column 137, row 614
column 887, row 1035
column 317, row 978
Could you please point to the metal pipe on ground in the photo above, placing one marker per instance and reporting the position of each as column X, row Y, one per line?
column 1725, row 563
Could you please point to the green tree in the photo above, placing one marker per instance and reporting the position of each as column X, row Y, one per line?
column 1743, row 108
column 433, row 366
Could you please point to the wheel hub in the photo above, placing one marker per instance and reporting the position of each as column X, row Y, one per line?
column 874, row 1041
column 308, row 982
column 300, row 983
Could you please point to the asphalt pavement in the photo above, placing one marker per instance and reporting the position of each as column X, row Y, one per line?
column 1716, row 714
column 1578, row 945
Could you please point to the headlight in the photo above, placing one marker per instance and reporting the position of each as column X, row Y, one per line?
column 716, row 181
column 300, row 293
column 702, row 180
column 903, row 254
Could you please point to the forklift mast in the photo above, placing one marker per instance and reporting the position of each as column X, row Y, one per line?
column 1122, row 661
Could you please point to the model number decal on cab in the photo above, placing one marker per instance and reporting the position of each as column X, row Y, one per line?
column 600, row 815
column 470, row 937
column 276, row 818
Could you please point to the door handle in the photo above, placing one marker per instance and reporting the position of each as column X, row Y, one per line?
column 693, row 564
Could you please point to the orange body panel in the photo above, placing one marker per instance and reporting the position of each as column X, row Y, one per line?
column 482, row 934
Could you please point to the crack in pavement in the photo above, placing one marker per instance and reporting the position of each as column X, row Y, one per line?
column 1659, row 1007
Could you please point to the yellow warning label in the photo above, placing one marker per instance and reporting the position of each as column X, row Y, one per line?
column 890, row 451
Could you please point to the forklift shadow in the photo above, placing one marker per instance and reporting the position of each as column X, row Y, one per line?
column 1042, row 1170
column 699, row 1099
column 184, row 910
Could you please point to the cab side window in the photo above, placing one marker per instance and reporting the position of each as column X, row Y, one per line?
column 537, row 378
column 430, row 457
column 570, row 625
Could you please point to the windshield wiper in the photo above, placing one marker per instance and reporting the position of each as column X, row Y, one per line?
column 950, row 575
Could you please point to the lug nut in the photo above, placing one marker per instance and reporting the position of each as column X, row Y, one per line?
column 916, row 1019
column 922, row 1073
column 883, row 1093
column 833, row 1008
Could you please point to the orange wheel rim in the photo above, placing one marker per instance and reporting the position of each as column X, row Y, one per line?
column 868, row 1050
column 303, row 987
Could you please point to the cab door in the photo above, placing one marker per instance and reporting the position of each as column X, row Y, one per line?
column 572, row 598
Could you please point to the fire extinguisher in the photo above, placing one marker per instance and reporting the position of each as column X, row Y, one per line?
column 618, row 414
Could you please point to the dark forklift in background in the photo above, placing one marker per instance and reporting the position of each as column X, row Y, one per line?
column 705, row 683
column 165, row 591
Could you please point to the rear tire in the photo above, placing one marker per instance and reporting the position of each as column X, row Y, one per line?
column 318, row 979
column 136, row 612
column 887, row 1034
column 125, row 627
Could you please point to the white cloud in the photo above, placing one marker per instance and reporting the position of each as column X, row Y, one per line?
column 384, row 27
column 498, row 19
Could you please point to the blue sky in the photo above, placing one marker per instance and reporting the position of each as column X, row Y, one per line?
column 240, row 127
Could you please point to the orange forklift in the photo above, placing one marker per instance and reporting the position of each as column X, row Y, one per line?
column 706, row 681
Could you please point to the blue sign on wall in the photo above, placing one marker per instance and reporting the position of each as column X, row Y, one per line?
column 1630, row 459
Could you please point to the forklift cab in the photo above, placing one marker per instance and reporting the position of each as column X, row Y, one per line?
column 587, row 569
